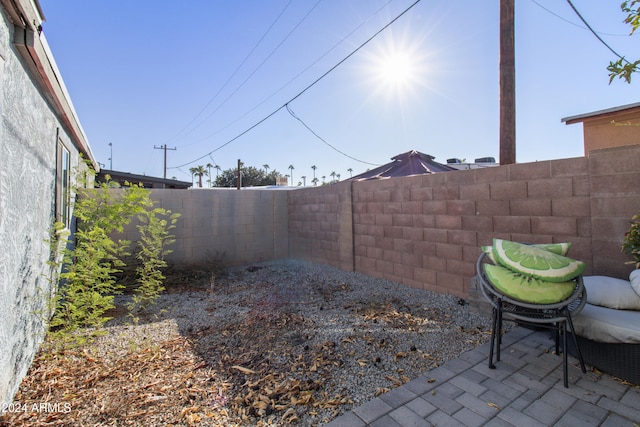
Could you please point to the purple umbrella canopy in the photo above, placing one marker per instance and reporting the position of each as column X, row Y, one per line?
column 405, row 164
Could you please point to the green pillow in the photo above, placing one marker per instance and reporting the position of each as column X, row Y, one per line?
column 556, row 248
column 536, row 262
column 527, row 288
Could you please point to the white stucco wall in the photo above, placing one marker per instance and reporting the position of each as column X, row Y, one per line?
column 28, row 129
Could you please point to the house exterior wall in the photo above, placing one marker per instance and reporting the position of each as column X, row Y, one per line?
column 614, row 127
column 612, row 130
column 29, row 134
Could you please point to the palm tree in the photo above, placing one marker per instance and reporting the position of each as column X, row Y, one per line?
column 209, row 166
column 314, row 181
column 266, row 169
column 337, row 177
column 350, row 172
column 304, row 181
column 323, row 178
column 333, row 176
column 199, row 171
column 314, row 167
column 291, row 168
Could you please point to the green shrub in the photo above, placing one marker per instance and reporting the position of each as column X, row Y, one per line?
column 154, row 228
column 631, row 244
column 92, row 259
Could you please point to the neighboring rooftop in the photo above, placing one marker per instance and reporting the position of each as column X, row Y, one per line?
column 607, row 111
column 146, row 181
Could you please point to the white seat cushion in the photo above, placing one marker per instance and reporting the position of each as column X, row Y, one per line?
column 609, row 325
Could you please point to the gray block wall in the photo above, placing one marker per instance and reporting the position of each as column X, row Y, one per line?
column 237, row 226
column 28, row 129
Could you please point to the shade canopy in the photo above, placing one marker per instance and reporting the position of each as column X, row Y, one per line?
column 405, row 164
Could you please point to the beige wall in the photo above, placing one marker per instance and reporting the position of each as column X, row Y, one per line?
column 607, row 130
column 605, row 134
column 424, row 231
column 240, row 226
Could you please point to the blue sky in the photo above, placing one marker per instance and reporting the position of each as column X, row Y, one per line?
column 197, row 75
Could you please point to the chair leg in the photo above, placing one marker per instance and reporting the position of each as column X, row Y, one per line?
column 565, row 360
column 499, row 331
column 493, row 337
column 575, row 342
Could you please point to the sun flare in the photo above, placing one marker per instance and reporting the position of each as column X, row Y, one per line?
column 396, row 70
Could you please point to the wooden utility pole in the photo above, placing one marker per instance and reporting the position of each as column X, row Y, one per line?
column 239, row 179
column 507, row 84
column 164, row 147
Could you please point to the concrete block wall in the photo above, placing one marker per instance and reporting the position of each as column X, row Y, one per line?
column 239, row 227
column 426, row 231
column 423, row 231
column 615, row 197
column 321, row 225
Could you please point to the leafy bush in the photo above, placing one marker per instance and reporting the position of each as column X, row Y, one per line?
column 631, row 244
column 154, row 241
column 92, row 259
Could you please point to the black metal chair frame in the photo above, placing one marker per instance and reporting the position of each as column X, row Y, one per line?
column 553, row 316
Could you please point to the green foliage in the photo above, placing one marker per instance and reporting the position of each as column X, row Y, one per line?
column 155, row 225
column 91, row 261
column 622, row 68
column 251, row 177
column 631, row 244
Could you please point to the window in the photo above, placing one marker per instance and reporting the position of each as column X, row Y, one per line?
column 63, row 185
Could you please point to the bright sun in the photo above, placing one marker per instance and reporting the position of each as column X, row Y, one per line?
column 396, row 70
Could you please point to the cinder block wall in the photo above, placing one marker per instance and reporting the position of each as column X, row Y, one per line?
column 426, row 231
column 321, row 225
column 239, row 227
column 615, row 197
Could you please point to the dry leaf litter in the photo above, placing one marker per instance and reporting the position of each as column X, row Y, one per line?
column 284, row 343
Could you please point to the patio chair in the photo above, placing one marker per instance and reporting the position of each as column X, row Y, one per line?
column 553, row 316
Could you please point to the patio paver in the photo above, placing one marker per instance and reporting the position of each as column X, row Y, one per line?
column 525, row 390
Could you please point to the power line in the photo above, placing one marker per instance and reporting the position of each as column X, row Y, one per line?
column 230, row 77
column 259, row 66
column 308, row 86
column 594, row 32
column 296, row 76
column 573, row 23
column 293, row 114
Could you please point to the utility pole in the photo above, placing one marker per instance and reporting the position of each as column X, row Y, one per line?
column 110, row 156
column 507, row 84
column 239, row 180
column 164, row 147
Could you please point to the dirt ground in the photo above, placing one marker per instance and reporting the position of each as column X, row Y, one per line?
column 262, row 355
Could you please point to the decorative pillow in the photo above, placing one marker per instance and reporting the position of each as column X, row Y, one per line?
column 634, row 278
column 527, row 288
column 536, row 262
column 611, row 292
column 556, row 248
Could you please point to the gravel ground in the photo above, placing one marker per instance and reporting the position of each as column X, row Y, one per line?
column 280, row 343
